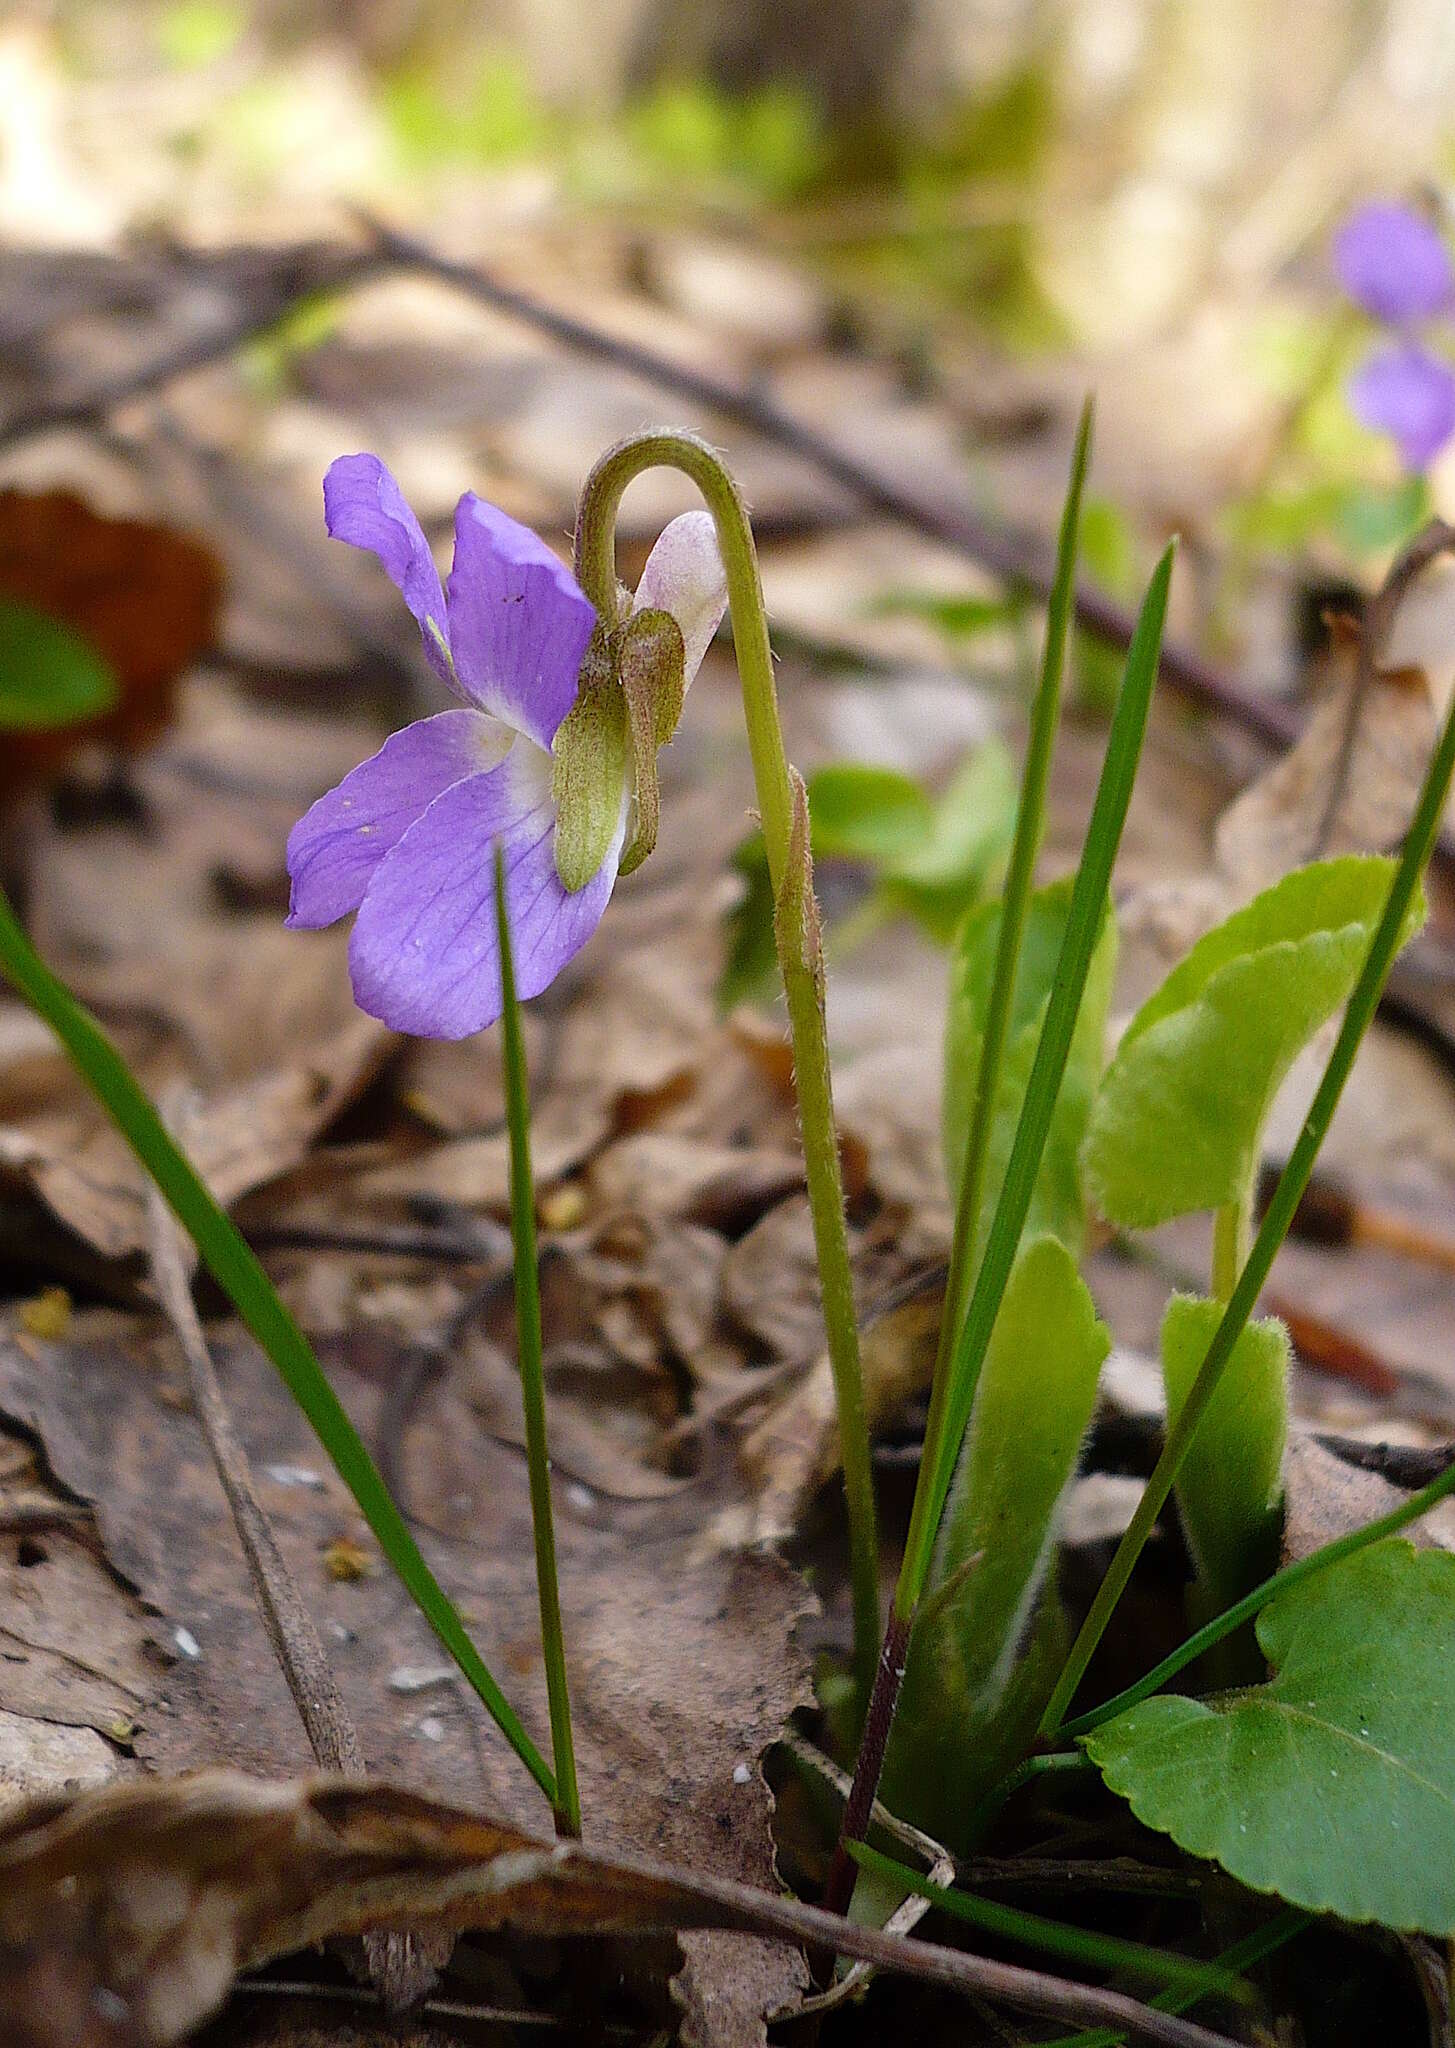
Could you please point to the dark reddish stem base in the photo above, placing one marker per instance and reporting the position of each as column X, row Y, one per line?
column 862, row 1793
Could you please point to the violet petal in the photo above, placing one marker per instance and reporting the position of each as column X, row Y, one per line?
column 364, row 506
column 519, row 621
column 684, row 575
column 336, row 846
column 1409, row 394
column 1394, row 262
column 423, row 954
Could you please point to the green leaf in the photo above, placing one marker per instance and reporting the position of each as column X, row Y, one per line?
column 987, row 1644
column 958, row 618
column 1334, row 1784
column 859, row 812
column 1229, row 1486
column 49, row 675
column 1178, row 1122
column 1056, row 1201
column 964, row 851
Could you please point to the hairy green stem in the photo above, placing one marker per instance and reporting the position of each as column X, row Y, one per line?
column 1231, row 1240
column 1286, row 1198
column 567, row 1800
column 596, row 572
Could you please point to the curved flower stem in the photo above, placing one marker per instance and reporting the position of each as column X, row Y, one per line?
column 796, row 928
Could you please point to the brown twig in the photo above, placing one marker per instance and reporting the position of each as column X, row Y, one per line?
column 273, row 291
column 1023, row 560
column 395, row 1964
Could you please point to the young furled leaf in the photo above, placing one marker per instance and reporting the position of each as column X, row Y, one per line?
column 985, row 1648
column 1057, row 1203
column 1334, row 1784
column 1229, row 1488
column 1177, row 1123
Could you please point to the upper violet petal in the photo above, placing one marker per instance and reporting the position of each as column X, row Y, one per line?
column 1409, row 394
column 684, row 575
column 1394, row 262
column 519, row 621
column 423, row 955
column 336, row 845
column 364, row 506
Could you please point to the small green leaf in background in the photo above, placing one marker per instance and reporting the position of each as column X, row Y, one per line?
column 860, row 812
column 988, row 1641
column 964, row 852
column 1334, row 1784
column 1178, row 1121
column 1229, row 1488
column 1056, row 1204
column 49, row 675
column 958, row 618
column 930, row 858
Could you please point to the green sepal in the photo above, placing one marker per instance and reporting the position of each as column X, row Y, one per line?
column 651, row 667
column 589, row 772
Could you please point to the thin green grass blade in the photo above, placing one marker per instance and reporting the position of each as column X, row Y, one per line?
column 235, row 1268
column 1019, row 882
column 532, row 1371
column 1088, row 906
column 1286, row 1197
column 1263, row 1941
column 1054, row 1937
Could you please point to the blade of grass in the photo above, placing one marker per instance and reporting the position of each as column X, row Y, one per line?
column 1054, row 1937
column 1263, row 1941
column 532, row 1373
column 234, row 1266
column 1083, row 923
column 1015, row 904
column 1286, row 1197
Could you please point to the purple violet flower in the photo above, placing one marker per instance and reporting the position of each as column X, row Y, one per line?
column 1394, row 263
column 406, row 838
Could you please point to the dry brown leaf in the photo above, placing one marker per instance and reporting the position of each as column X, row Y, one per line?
column 1326, row 1496
column 135, row 1907
column 144, row 596
column 794, row 1449
column 1341, row 788
column 682, row 1670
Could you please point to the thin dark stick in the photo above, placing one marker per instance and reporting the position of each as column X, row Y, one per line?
column 394, row 1962
column 304, row 272
column 1023, row 560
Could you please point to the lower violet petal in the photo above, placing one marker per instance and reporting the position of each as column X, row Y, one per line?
column 1409, row 394
column 335, row 848
column 423, row 955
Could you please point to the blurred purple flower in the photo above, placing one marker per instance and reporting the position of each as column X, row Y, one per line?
column 1394, row 263
column 406, row 838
